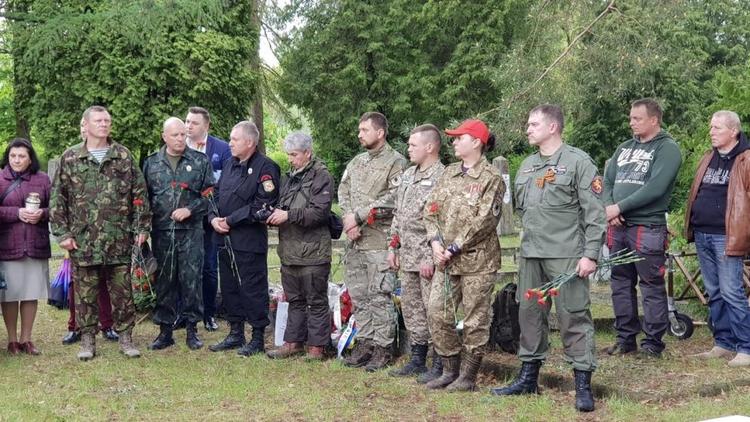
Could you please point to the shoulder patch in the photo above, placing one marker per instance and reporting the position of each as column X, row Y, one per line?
column 396, row 180
column 597, row 185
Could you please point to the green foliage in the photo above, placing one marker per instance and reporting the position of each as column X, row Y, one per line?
column 145, row 60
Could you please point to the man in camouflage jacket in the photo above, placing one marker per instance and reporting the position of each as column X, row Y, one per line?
column 94, row 218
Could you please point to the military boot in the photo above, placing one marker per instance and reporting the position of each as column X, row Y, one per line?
column 416, row 365
column 434, row 372
column 451, row 368
column 233, row 340
column 360, row 355
column 287, row 350
column 191, row 337
column 255, row 345
column 126, row 345
column 381, row 357
column 525, row 383
column 467, row 379
column 88, row 347
column 164, row 339
column 584, row 396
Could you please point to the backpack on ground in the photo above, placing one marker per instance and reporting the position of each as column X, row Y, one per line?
column 505, row 331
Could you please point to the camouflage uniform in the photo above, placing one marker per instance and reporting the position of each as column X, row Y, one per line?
column 409, row 241
column 369, row 182
column 92, row 203
column 180, row 272
column 563, row 220
column 464, row 210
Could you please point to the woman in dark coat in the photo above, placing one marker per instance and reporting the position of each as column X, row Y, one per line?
column 24, row 241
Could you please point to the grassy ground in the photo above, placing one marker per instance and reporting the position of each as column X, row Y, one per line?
column 178, row 384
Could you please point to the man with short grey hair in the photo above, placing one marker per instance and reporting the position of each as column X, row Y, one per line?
column 716, row 222
column 245, row 195
column 304, row 249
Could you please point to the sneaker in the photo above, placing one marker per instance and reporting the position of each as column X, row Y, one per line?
column 742, row 359
column 715, row 353
column 619, row 349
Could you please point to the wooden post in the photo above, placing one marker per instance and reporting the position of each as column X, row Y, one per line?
column 505, row 226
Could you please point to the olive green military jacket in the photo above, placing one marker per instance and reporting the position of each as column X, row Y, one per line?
column 92, row 203
column 369, row 183
column 560, row 205
column 464, row 209
column 408, row 224
column 170, row 189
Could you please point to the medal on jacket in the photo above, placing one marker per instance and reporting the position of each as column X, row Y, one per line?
column 549, row 176
column 250, row 171
column 189, row 168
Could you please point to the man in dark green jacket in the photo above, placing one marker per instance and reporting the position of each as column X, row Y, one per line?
column 176, row 176
column 304, row 249
column 638, row 185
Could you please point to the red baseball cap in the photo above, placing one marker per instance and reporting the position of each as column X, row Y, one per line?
column 473, row 127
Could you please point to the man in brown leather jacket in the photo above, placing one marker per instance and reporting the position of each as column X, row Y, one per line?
column 715, row 219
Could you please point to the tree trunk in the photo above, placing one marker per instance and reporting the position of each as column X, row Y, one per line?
column 255, row 65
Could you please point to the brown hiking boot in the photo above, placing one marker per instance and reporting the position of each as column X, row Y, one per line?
column 467, row 378
column 287, row 350
column 126, row 345
column 381, row 357
column 360, row 355
column 450, row 372
column 315, row 353
column 88, row 347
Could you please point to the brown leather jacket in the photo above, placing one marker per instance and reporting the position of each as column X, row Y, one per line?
column 738, row 204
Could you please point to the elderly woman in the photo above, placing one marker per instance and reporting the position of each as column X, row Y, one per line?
column 24, row 241
column 460, row 216
column 304, row 249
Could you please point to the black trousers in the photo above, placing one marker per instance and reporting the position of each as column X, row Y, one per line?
column 244, row 289
column 306, row 289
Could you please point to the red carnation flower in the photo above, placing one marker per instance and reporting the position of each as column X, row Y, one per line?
column 138, row 202
column 371, row 217
column 209, row 191
column 395, row 241
column 183, row 185
column 542, row 301
column 529, row 294
column 434, row 207
column 138, row 272
column 554, row 292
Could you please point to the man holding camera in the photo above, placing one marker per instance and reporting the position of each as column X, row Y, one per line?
column 246, row 192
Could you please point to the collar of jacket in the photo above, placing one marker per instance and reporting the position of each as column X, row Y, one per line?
column 8, row 174
column 113, row 152
column 187, row 155
column 473, row 172
column 373, row 153
column 426, row 173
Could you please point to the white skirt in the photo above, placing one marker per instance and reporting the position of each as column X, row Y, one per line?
column 27, row 278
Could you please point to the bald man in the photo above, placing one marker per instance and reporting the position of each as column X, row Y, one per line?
column 176, row 176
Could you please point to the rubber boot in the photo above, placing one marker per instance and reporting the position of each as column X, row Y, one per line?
column 233, row 340
column 191, row 336
column 381, row 357
column 527, row 381
column 126, row 345
column 451, row 369
column 434, row 372
column 416, row 364
column 88, row 347
column 467, row 379
column 256, row 344
column 164, row 339
column 584, row 396
column 360, row 355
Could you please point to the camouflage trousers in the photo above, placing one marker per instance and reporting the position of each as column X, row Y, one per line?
column 370, row 284
column 179, row 276
column 415, row 295
column 573, row 313
column 117, row 280
column 473, row 293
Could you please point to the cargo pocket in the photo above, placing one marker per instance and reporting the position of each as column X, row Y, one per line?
column 382, row 279
column 559, row 191
column 574, row 296
column 520, row 187
column 651, row 240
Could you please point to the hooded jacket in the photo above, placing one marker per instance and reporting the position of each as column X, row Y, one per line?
column 737, row 201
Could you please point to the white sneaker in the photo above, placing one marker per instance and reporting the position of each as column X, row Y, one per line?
column 742, row 359
column 714, row 353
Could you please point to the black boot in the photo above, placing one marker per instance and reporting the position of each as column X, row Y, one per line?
column 451, row 369
column 235, row 338
column 434, row 372
column 584, row 396
column 191, row 338
column 525, row 383
column 164, row 339
column 416, row 365
column 256, row 344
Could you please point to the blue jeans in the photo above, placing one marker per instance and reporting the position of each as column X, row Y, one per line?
column 722, row 278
